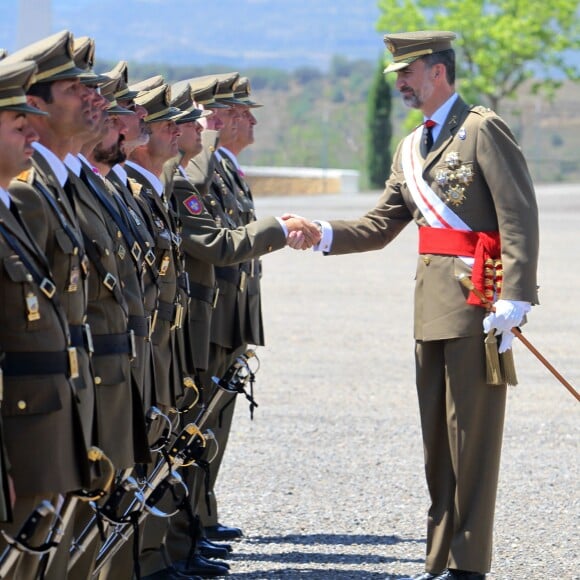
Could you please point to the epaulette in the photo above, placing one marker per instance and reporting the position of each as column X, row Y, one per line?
column 483, row 111
column 26, row 176
column 134, row 186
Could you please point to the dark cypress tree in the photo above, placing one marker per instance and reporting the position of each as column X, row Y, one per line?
column 379, row 129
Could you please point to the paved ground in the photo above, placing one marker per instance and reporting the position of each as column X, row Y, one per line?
column 327, row 481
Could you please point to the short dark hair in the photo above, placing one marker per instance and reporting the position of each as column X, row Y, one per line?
column 42, row 90
column 447, row 59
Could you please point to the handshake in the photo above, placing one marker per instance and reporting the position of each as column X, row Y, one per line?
column 302, row 233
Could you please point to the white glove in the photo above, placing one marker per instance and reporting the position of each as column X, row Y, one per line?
column 508, row 313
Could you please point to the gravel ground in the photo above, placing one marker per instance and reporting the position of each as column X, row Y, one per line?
column 327, row 481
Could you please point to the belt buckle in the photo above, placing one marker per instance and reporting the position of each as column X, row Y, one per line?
column 178, row 318
column 242, row 283
column 152, row 324
column 48, row 288
column 110, row 281
column 132, row 344
column 88, row 337
column 73, row 362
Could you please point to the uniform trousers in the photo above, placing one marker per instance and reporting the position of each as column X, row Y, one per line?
column 462, row 420
column 179, row 539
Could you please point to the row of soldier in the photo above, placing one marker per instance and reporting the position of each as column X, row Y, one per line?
column 130, row 278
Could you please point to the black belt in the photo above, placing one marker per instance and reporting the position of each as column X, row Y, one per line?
column 166, row 311
column 229, row 274
column 201, row 292
column 80, row 336
column 17, row 364
column 140, row 325
column 114, row 344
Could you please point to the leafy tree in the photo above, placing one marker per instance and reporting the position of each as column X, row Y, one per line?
column 379, row 129
column 501, row 43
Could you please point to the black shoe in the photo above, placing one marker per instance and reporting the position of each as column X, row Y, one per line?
column 219, row 532
column 424, row 576
column 210, row 550
column 452, row 574
column 198, row 565
column 221, row 545
column 170, row 574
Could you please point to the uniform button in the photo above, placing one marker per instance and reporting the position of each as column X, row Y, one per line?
column 98, row 380
column 427, row 260
column 21, row 405
column 230, row 211
column 119, row 234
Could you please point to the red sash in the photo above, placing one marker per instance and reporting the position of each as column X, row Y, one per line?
column 482, row 246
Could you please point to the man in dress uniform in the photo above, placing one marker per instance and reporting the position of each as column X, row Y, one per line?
column 145, row 166
column 43, row 434
column 228, row 338
column 206, row 244
column 461, row 177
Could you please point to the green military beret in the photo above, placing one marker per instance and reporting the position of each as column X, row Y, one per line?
column 15, row 78
column 407, row 47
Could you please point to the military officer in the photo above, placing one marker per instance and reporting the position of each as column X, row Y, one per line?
column 39, row 409
column 145, row 166
column 42, row 201
column 462, row 178
column 52, row 218
column 205, row 245
column 227, row 337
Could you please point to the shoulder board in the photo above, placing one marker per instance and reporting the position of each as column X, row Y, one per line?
column 483, row 111
column 134, row 186
column 27, row 176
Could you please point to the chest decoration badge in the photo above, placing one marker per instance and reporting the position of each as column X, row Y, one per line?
column 455, row 179
column 193, row 205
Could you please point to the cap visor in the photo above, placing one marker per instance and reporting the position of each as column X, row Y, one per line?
column 395, row 66
column 172, row 114
column 193, row 116
column 71, row 73
column 116, row 110
column 128, row 95
column 230, row 101
column 24, row 108
column 216, row 105
column 89, row 78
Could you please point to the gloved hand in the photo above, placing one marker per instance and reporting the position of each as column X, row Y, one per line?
column 508, row 313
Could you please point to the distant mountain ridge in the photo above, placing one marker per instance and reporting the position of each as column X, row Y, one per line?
column 242, row 33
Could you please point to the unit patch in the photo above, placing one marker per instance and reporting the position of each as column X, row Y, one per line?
column 193, row 205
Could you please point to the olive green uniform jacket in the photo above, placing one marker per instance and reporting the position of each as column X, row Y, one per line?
column 206, row 245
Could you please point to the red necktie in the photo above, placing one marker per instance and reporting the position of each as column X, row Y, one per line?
column 427, row 136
